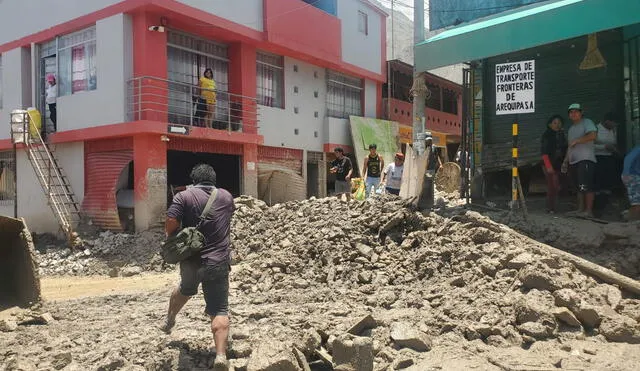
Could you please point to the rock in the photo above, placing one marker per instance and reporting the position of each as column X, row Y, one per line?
column 520, row 261
column 402, row 363
column 536, row 330
column 614, row 296
column 241, row 349
column 272, row 356
column 364, row 323
column 300, row 283
column 46, row 318
column 364, row 250
column 457, row 282
column 532, row 277
column 111, row 363
column 535, row 306
column 20, row 364
column 364, row 277
column 302, row 360
column 61, row 360
column 567, row 298
column 406, row 336
column 590, row 349
column 621, row 329
column 114, row 272
column 311, row 340
column 563, row 314
column 354, row 351
column 239, row 364
column 7, row 325
column 130, row 271
column 588, row 315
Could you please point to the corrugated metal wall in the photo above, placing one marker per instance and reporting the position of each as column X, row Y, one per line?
column 285, row 157
column 559, row 82
column 102, row 169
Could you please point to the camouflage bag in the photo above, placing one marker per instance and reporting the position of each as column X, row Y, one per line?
column 189, row 241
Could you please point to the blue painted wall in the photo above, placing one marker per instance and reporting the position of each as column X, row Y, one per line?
column 328, row 6
column 445, row 13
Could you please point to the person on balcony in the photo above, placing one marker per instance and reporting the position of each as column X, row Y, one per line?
column 51, row 97
column 208, row 93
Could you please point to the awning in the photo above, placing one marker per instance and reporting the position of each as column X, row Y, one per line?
column 524, row 28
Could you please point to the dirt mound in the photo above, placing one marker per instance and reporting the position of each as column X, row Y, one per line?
column 465, row 273
column 371, row 283
column 106, row 253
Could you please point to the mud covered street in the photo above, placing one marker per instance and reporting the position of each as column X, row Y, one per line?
column 322, row 284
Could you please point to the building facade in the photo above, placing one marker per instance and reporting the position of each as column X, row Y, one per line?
column 591, row 60
column 288, row 74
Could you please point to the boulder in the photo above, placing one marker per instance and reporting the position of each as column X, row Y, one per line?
column 130, row 271
column 7, row 325
column 405, row 335
column 564, row 315
column 272, row 356
column 589, row 315
column 353, row 351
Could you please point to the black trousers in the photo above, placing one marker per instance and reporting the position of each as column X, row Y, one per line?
column 53, row 115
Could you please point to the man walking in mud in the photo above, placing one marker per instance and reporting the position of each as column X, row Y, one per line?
column 211, row 267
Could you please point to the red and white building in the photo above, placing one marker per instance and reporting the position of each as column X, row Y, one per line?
column 288, row 73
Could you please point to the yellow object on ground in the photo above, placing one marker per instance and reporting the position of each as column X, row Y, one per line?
column 361, row 191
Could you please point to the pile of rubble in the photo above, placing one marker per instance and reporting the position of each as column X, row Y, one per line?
column 324, row 284
column 465, row 274
column 106, row 253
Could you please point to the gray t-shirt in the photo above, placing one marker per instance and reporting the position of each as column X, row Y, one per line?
column 187, row 207
column 583, row 151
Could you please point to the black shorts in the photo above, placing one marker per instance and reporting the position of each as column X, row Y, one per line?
column 215, row 284
column 583, row 174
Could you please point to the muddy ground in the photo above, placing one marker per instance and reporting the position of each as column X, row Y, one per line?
column 446, row 291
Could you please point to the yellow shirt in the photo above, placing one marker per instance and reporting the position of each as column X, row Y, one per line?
column 208, row 86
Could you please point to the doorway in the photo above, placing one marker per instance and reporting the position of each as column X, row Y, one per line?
column 227, row 167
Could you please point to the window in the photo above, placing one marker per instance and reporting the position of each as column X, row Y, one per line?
column 344, row 95
column 0, row 81
column 363, row 22
column 449, row 101
column 187, row 58
column 270, row 80
column 7, row 180
column 434, row 101
column 77, row 62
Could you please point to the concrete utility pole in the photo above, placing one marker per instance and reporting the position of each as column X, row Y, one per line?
column 389, row 77
column 419, row 89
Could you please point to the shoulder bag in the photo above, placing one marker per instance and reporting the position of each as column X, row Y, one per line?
column 189, row 241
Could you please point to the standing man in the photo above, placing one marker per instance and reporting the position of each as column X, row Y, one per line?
column 341, row 166
column 211, row 267
column 373, row 165
column 394, row 172
column 581, row 158
column 606, row 145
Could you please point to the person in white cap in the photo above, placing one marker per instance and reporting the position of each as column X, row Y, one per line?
column 581, row 159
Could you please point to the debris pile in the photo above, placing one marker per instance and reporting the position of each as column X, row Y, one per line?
column 463, row 274
column 107, row 253
column 322, row 284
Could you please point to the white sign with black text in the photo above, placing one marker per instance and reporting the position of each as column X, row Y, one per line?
column 515, row 87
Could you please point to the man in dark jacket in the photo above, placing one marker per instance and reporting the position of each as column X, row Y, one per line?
column 554, row 148
column 211, row 267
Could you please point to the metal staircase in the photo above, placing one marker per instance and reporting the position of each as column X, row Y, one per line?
column 54, row 182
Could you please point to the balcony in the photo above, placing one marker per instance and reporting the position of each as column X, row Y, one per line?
column 436, row 120
column 156, row 99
